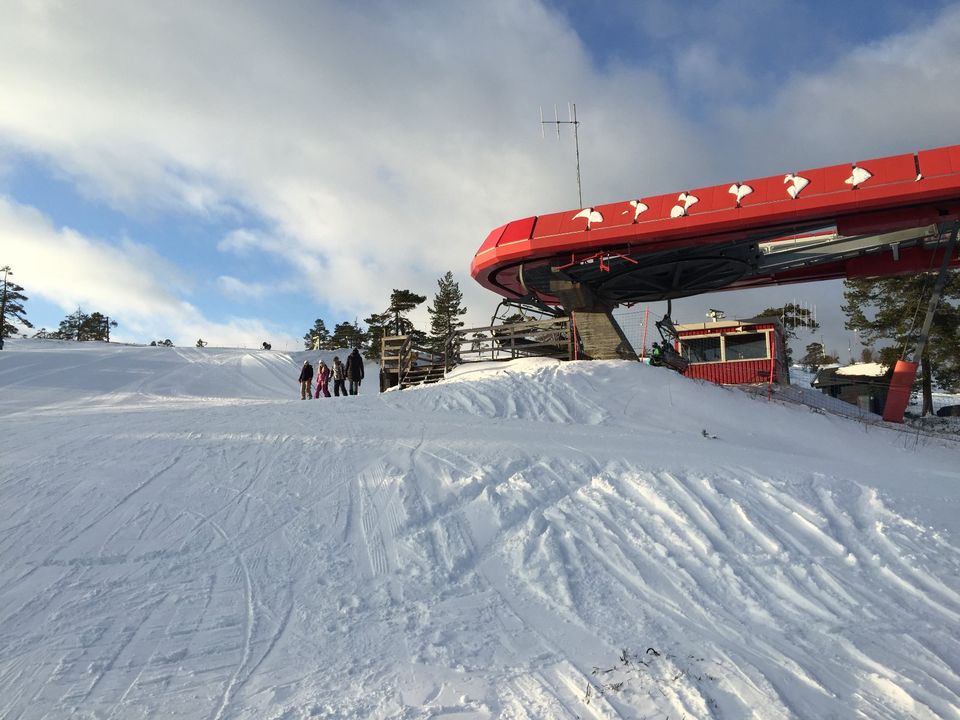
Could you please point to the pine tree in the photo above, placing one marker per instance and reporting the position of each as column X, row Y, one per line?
column 80, row 326
column 71, row 324
column 896, row 307
column 815, row 357
column 376, row 328
column 446, row 311
column 402, row 302
column 346, row 335
column 11, row 305
column 317, row 337
column 97, row 327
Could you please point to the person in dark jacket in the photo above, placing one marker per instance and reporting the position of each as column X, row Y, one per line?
column 306, row 377
column 339, row 374
column 355, row 371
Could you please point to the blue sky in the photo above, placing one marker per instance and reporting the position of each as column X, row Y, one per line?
column 233, row 171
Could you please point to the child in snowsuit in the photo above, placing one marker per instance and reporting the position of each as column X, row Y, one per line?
column 339, row 375
column 323, row 379
column 306, row 376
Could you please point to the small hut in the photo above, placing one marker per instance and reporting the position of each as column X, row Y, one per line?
column 735, row 352
column 862, row 384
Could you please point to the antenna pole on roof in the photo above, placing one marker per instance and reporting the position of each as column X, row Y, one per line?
column 572, row 114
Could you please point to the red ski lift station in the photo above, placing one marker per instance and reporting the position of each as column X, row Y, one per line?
column 867, row 219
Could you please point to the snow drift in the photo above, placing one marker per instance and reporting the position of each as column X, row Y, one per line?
column 180, row 537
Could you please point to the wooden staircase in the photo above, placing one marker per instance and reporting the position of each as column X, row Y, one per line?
column 591, row 335
column 404, row 365
column 423, row 375
column 601, row 336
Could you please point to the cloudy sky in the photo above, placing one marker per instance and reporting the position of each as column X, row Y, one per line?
column 234, row 170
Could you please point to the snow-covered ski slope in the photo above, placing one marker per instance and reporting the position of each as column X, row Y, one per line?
column 182, row 538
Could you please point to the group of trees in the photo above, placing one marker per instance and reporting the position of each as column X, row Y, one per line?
column 78, row 325
column 81, row 326
column 445, row 316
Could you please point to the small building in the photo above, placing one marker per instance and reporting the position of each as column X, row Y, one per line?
column 735, row 352
column 862, row 384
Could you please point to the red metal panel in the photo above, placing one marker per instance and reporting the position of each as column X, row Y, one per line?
column 569, row 222
column 816, row 184
column 651, row 213
column 910, row 260
column 492, row 239
column 765, row 190
column 711, row 199
column 615, row 214
column 732, row 373
column 550, row 224
column 659, row 207
column 517, row 230
column 954, row 152
column 835, row 178
column 935, row 162
column 887, row 220
column 897, row 168
column 879, row 196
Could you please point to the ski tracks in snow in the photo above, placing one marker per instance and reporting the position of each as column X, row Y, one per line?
column 484, row 549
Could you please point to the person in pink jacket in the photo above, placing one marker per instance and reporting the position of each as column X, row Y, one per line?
column 323, row 378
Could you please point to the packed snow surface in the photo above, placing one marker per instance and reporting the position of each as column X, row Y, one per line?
column 181, row 537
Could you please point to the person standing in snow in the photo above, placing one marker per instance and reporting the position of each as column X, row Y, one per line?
column 355, row 371
column 339, row 374
column 323, row 379
column 306, row 377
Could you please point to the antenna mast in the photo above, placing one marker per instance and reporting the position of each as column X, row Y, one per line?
column 572, row 114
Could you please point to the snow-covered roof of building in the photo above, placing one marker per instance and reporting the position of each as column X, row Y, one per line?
column 863, row 370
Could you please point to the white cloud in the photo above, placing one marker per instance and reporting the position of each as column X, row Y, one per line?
column 884, row 98
column 241, row 241
column 378, row 143
column 235, row 288
column 129, row 282
column 381, row 143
